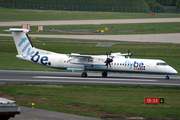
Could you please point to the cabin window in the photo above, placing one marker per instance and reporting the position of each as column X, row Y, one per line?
column 117, row 63
column 114, row 63
column 161, row 64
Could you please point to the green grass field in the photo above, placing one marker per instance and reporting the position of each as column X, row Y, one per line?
column 140, row 28
column 33, row 15
column 111, row 101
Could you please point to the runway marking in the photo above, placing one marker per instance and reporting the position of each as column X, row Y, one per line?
column 52, row 77
column 132, row 76
column 92, row 82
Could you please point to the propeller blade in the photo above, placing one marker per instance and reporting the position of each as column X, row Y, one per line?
column 110, row 65
column 109, row 59
column 131, row 55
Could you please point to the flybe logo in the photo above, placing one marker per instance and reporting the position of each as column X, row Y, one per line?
column 43, row 60
column 26, row 47
column 136, row 65
column 35, row 58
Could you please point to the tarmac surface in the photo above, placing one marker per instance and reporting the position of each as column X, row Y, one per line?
column 158, row 38
column 15, row 76
column 87, row 22
column 28, row 113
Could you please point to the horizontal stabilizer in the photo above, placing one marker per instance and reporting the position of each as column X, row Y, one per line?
column 17, row 30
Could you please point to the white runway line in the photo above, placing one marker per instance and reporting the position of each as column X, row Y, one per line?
column 105, row 79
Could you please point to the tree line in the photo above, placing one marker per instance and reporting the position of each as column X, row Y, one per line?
column 159, row 4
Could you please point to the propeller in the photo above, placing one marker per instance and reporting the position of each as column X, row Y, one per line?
column 109, row 59
column 130, row 54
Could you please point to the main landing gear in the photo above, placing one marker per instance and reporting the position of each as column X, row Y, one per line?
column 104, row 74
column 167, row 77
column 84, row 74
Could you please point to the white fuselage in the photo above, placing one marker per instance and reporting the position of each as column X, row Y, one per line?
column 119, row 64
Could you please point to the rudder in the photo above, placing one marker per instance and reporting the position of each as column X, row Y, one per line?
column 23, row 43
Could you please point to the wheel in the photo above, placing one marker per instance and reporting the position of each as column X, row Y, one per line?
column 104, row 74
column 167, row 77
column 84, row 74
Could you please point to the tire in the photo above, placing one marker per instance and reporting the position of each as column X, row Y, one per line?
column 167, row 77
column 84, row 74
column 104, row 74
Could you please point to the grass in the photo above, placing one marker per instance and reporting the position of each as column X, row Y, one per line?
column 97, row 100
column 167, row 52
column 34, row 15
column 140, row 28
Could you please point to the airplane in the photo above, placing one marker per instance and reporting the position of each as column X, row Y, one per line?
column 114, row 62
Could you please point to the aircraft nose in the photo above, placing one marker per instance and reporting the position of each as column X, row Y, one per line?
column 173, row 71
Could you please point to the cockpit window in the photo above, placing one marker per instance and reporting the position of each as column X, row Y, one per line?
column 162, row 64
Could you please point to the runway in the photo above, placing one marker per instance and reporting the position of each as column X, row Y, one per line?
column 89, row 22
column 147, row 38
column 14, row 76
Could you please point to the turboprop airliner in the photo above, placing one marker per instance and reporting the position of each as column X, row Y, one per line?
column 114, row 62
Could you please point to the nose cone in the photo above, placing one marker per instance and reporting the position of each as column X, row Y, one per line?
column 173, row 71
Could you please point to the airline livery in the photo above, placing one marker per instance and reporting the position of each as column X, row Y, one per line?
column 114, row 62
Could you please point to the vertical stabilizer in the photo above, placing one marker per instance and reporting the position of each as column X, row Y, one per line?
column 23, row 44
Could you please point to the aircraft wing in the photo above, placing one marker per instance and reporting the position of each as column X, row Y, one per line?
column 85, row 65
column 80, row 56
column 86, row 60
column 119, row 54
column 90, row 64
column 126, row 54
